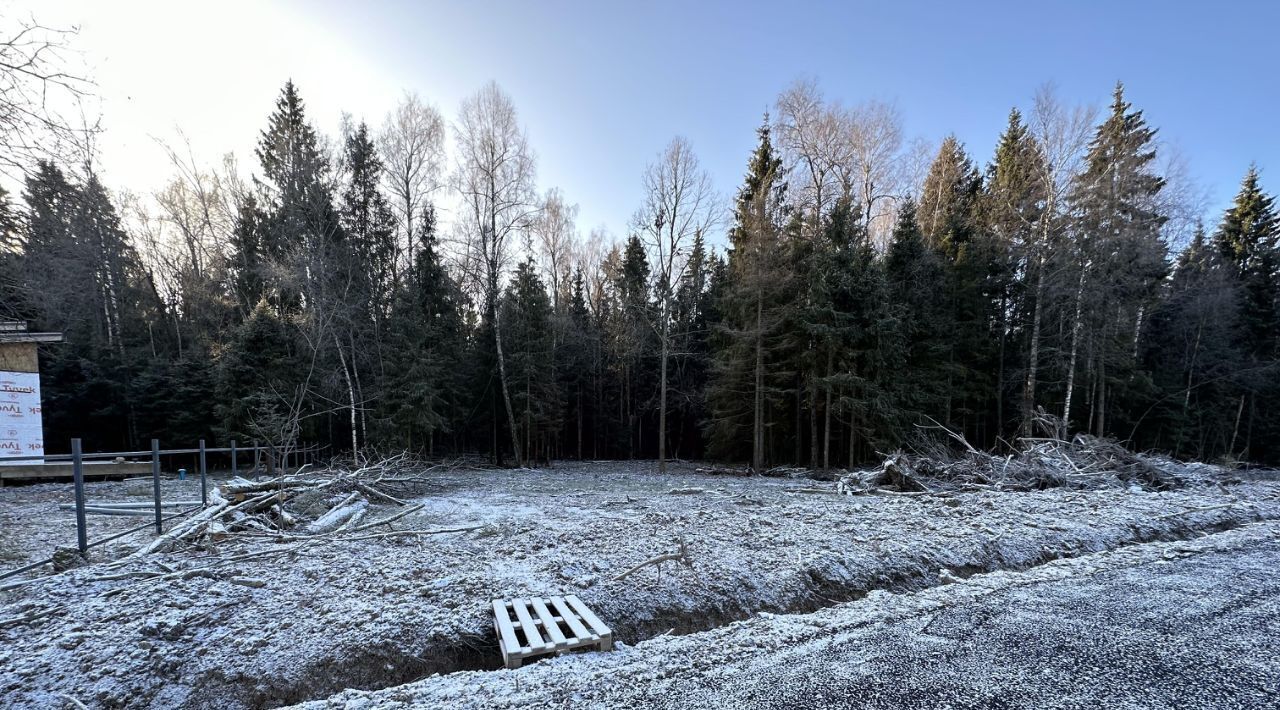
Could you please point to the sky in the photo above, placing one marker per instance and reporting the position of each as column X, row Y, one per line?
column 602, row 87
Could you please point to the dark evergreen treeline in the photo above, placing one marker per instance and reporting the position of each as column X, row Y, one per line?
column 326, row 300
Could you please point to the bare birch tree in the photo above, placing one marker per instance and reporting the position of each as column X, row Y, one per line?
column 680, row 203
column 1062, row 134
column 411, row 144
column 494, row 179
column 873, row 176
column 590, row 258
column 39, row 84
column 556, row 234
column 815, row 148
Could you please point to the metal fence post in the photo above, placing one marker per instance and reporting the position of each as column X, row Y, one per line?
column 77, row 472
column 234, row 470
column 155, row 483
column 204, row 488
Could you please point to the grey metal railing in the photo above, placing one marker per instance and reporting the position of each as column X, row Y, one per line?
column 301, row 457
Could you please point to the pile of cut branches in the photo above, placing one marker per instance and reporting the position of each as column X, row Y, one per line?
column 306, row 504
column 1083, row 461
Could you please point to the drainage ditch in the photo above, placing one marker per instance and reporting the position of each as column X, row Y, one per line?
column 388, row 665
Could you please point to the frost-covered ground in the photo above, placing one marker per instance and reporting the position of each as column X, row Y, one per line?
column 260, row 622
column 1161, row 625
column 31, row 525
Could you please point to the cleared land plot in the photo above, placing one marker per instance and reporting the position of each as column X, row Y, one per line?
column 254, row 621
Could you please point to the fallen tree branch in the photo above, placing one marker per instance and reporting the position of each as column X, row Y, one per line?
column 384, row 521
column 374, row 492
column 397, row 533
column 681, row 555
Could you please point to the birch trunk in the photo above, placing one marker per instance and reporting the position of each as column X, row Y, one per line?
column 351, row 398
column 1033, row 355
column 662, row 389
column 1075, row 353
column 502, row 378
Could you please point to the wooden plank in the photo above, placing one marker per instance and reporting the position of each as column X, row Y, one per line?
column 588, row 615
column 54, row 470
column 507, row 633
column 530, row 629
column 570, row 618
column 548, row 622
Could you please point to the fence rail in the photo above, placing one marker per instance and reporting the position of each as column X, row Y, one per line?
column 301, row 457
column 148, row 452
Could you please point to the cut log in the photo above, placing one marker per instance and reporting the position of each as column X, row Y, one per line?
column 198, row 522
column 351, row 505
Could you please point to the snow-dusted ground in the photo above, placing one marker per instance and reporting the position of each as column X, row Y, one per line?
column 286, row 627
column 31, row 525
column 1160, row 625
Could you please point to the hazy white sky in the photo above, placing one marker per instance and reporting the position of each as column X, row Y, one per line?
column 214, row 69
column 211, row 69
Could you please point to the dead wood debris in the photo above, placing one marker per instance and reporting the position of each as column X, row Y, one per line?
column 314, row 504
column 1082, row 462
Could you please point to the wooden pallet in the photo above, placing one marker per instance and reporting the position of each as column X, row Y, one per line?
column 543, row 626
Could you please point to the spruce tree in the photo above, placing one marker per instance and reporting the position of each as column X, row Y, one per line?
column 256, row 380
column 421, row 382
column 692, row 360
column 1013, row 205
column 854, row 317
column 1246, row 241
column 249, row 267
column 577, row 362
column 977, row 270
column 14, row 302
column 368, row 225
column 301, row 231
column 1120, row 255
column 634, row 338
column 918, row 349
column 87, row 281
column 746, row 378
column 1194, row 358
column 949, row 198
column 535, row 393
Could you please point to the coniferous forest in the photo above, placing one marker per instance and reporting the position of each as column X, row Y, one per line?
column 410, row 286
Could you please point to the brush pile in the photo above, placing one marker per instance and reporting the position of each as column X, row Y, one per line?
column 1084, row 462
column 303, row 505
